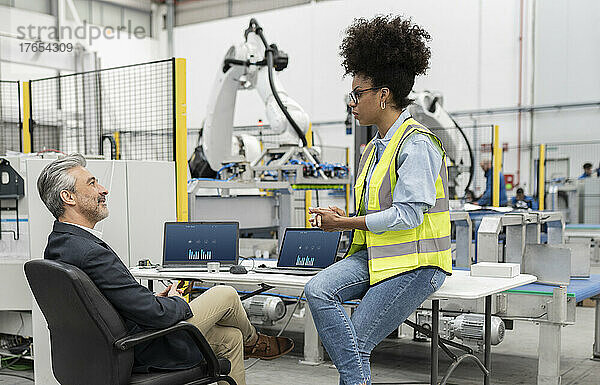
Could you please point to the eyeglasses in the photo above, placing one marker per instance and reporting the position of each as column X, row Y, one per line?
column 356, row 93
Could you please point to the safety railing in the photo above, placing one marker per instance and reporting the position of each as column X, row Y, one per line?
column 10, row 117
column 122, row 113
column 133, row 112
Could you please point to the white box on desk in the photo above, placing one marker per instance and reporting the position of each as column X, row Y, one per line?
column 495, row 269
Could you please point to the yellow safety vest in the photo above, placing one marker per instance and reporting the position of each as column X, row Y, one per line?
column 395, row 252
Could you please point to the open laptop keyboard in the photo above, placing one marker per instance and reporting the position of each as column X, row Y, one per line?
column 287, row 270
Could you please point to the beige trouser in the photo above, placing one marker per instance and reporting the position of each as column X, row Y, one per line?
column 220, row 316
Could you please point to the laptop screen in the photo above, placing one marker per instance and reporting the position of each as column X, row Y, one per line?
column 200, row 242
column 312, row 248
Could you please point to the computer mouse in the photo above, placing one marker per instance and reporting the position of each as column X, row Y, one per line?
column 238, row 269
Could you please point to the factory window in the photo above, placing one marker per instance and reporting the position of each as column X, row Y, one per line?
column 133, row 18
column 42, row 6
column 199, row 11
column 111, row 14
column 95, row 12
column 83, row 10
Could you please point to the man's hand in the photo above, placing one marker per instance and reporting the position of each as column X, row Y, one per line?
column 165, row 292
column 174, row 291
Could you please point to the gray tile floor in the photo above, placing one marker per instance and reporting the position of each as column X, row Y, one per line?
column 514, row 361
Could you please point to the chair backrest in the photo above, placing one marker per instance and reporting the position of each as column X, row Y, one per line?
column 83, row 325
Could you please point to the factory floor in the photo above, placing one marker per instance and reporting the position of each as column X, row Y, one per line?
column 514, row 361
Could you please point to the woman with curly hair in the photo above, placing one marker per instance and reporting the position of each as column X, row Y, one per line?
column 400, row 251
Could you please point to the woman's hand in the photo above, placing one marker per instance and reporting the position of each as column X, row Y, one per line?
column 315, row 221
column 338, row 211
column 328, row 219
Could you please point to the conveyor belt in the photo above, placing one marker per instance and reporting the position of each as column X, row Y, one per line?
column 580, row 288
column 582, row 226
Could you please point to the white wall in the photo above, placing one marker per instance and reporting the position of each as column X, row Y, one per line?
column 473, row 70
column 475, row 62
column 314, row 75
column 112, row 52
column 10, row 20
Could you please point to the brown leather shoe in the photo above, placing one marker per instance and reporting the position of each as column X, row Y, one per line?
column 268, row 347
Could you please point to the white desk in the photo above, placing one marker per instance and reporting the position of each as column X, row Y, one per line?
column 252, row 278
column 458, row 286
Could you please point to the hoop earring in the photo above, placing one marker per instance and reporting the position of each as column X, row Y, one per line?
column 382, row 105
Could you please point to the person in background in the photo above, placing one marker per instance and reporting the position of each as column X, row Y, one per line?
column 587, row 171
column 486, row 198
column 522, row 201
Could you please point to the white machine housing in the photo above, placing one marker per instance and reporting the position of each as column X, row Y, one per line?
column 467, row 327
column 264, row 309
column 218, row 126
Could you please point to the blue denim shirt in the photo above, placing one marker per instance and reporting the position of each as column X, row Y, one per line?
column 419, row 165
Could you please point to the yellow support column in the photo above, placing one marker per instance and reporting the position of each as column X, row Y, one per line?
column 26, row 117
column 117, row 136
column 542, row 176
column 181, row 141
column 308, row 193
column 307, row 204
column 497, row 165
column 348, row 186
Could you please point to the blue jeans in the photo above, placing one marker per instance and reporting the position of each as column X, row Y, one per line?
column 383, row 307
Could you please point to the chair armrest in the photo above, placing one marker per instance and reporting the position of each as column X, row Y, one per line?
column 212, row 363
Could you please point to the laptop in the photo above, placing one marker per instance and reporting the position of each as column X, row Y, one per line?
column 189, row 246
column 305, row 252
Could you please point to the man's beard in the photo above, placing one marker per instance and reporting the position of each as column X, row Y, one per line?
column 93, row 210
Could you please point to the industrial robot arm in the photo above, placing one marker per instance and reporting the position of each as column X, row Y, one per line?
column 251, row 65
column 428, row 109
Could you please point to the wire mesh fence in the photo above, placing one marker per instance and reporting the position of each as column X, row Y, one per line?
column 567, row 160
column 10, row 116
column 571, row 176
column 122, row 113
column 466, row 148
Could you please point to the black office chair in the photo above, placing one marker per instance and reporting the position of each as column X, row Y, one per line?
column 88, row 338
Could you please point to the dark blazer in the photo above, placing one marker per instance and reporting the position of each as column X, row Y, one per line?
column 139, row 307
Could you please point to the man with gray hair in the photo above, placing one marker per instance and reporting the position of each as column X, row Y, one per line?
column 56, row 186
column 78, row 201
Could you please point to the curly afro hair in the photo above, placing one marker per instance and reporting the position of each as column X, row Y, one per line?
column 388, row 50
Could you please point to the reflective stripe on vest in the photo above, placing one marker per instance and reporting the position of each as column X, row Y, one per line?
column 394, row 252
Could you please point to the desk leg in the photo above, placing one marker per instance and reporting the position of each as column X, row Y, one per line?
column 435, row 330
column 549, row 354
column 487, row 359
column 597, row 329
column 151, row 285
column 313, row 350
